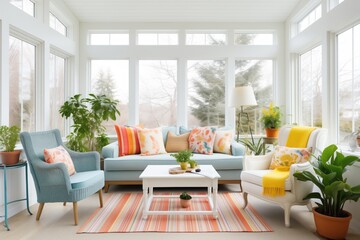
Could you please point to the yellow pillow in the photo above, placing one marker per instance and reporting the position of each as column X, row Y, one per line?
column 151, row 141
column 223, row 141
column 285, row 156
column 176, row 143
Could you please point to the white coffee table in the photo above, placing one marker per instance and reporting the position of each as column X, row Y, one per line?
column 158, row 176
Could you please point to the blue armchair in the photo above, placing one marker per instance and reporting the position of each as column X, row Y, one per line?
column 52, row 181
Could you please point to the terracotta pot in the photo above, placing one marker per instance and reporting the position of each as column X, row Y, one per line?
column 272, row 132
column 332, row 227
column 184, row 165
column 10, row 158
column 185, row 203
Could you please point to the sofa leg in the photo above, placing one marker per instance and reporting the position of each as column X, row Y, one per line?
column 64, row 204
column 245, row 197
column 41, row 206
column 100, row 198
column 76, row 216
column 107, row 185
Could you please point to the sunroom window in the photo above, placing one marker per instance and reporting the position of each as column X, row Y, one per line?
column 25, row 5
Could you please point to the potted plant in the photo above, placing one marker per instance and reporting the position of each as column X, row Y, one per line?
column 271, row 120
column 8, row 138
column 88, row 114
column 330, row 219
column 192, row 163
column 255, row 147
column 183, row 158
column 185, row 199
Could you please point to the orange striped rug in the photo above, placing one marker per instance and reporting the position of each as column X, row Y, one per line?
column 122, row 212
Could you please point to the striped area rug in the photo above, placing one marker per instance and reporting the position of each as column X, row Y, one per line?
column 122, row 212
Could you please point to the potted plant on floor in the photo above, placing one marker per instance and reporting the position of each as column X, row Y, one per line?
column 330, row 219
column 271, row 120
column 8, row 138
column 88, row 114
column 185, row 199
column 183, row 158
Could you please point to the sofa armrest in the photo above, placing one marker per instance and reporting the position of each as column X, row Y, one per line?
column 111, row 150
column 237, row 149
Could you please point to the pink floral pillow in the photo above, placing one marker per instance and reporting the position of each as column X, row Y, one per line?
column 59, row 154
column 201, row 140
column 151, row 141
column 223, row 141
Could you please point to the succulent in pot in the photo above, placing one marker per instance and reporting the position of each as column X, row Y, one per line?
column 185, row 199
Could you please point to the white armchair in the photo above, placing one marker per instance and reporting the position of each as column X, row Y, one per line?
column 295, row 191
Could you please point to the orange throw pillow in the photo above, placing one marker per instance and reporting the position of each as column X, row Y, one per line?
column 128, row 140
column 59, row 154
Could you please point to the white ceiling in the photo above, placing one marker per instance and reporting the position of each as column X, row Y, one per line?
column 182, row 10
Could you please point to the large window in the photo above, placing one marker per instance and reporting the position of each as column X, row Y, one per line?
column 150, row 38
column 206, row 38
column 206, row 93
column 111, row 78
column 334, row 3
column 109, row 39
column 348, row 81
column 309, row 19
column 158, row 92
column 22, row 84
column 310, row 88
column 25, row 5
column 253, row 38
column 56, row 88
column 259, row 74
column 57, row 25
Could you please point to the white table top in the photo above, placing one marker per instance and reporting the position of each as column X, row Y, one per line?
column 162, row 171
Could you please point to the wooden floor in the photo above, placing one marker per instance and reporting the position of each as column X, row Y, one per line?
column 57, row 222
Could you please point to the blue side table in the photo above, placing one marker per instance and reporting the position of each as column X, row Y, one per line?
column 6, row 203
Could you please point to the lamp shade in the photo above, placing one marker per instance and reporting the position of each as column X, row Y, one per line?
column 243, row 96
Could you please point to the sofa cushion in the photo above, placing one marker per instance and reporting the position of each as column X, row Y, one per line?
column 256, row 177
column 151, row 141
column 176, row 143
column 138, row 162
column 223, row 141
column 59, row 154
column 166, row 130
column 201, row 140
column 128, row 140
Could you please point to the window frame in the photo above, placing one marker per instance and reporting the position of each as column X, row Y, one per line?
column 253, row 31
column 157, row 33
column 90, row 32
column 206, row 33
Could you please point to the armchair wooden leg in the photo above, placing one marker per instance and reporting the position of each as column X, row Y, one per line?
column 75, row 209
column 240, row 187
column 64, row 204
column 41, row 206
column 106, row 187
column 100, row 198
column 245, row 195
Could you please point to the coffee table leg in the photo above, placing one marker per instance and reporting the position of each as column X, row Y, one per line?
column 145, row 201
column 214, row 195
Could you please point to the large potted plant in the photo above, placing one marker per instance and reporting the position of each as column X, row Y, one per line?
column 271, row 120
column 8, row 138
column 88, row 114
column 329, row 168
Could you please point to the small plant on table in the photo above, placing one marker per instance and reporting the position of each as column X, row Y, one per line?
column 183, row 158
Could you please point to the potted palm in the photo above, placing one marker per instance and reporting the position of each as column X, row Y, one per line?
column 183, row 158
column 271, row 120
column 330, row 219
column 185, row 199
column 8, row 138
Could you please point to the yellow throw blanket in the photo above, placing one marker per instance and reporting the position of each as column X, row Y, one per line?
column 274, row 182
column 299, row 136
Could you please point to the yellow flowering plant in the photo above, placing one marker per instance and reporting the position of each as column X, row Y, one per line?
column 271, row 117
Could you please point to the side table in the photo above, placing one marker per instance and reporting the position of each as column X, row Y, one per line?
column 269, row 140
column 5, row 168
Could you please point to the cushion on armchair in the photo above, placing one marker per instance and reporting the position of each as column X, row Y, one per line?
column 285, row 156
column 59, row 154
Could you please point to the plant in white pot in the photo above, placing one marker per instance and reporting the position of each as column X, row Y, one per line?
column 8, row 138
column 329, row 168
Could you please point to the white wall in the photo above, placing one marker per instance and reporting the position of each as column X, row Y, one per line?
column 323, row 32
column 37, row 30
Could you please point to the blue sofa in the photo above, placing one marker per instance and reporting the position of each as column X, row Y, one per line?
column 125, row 170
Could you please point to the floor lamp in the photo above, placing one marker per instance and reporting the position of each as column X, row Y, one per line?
column 242, row 97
